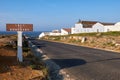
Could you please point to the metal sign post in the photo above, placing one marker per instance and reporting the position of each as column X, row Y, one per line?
column 19, row 28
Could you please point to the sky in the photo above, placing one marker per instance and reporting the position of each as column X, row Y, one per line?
column 47, row 15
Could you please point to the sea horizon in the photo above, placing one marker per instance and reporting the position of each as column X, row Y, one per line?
column 34, row 34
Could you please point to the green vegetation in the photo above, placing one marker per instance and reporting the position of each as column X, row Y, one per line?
column 37, row 64
column 84, row 34
column 111, row 34
column 109, row 44
column 104, row 40
column 13, row 42
column 98, row 34
column 71, row 36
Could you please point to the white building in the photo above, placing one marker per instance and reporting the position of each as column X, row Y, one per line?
column 53, row 33
column 65, row 31
column 92, row 26
column 84, row 27
column 43, row 34
column 115, row 27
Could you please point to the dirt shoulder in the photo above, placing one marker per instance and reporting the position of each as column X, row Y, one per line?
column 11, row 69
column 106, row 41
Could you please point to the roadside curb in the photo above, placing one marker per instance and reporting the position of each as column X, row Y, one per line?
column 54, row 70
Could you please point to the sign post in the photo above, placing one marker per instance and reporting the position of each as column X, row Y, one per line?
column 19, row 28
column 19, row 46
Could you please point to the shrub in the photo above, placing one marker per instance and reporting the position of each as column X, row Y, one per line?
column 33, row 66
column 109, row 44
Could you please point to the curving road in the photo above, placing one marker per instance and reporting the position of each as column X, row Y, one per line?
column 83, row 63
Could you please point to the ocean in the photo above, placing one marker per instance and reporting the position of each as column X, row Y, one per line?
column 34, row 34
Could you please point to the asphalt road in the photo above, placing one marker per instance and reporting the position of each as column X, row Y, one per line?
column 83, row 63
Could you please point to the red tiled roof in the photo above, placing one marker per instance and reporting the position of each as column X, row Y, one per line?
column 67, row 29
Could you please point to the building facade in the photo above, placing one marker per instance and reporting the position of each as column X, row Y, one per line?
column 65, row 31
column 84, row 27
column 93, row 26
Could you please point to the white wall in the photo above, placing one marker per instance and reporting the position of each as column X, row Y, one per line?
column 112, row 28
column 77, row 29
column 49, row 33
column 41, row 35
column 108, row 28
column 63, row 32
column 44, row 34
column 117, row 25
column 98, row 27
column 54, row 34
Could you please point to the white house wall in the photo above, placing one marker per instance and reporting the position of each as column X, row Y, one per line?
column 98, row 27
column 117, row 25
column 54, row 34
column 44, row 34
column 41, row 35
column 118, row 28
column 108, row 28
column 112, row 28
column 77, row 29
column 63, row 32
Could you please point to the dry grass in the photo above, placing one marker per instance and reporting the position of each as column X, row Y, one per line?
column 11, row 69
column 105, row 41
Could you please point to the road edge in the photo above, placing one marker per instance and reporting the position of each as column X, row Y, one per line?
column 55, row 73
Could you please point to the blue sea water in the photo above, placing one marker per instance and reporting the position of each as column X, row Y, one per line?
column 34, row 34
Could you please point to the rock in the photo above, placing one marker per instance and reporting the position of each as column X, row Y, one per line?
column 36, row 73
column 83, row 39
column 117, row 44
